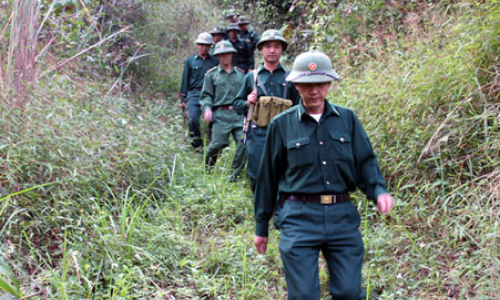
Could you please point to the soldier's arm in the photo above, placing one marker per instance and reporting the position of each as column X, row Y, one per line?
column 185, row 79
column 240, row 101
column 370, row 179
column 271, row 166
column 207, row 93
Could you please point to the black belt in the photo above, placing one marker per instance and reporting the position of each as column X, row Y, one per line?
column 224, row 107
column 322, row 199
column 195, row 89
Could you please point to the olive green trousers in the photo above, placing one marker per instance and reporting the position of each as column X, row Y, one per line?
column 308, row 228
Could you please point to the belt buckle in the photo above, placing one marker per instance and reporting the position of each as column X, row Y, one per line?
column 326, row 199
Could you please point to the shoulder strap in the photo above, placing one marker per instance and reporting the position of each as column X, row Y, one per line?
column 285, row 90
column 262, row 87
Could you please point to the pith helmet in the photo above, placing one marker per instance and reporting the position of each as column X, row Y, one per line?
column 272, row 35
column 312, row 67
column 224, row 47
column 205, row 38
column 233, row 26
column 217, row 30
column 243, row 21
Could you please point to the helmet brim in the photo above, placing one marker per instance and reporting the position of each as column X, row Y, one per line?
column 310, row 77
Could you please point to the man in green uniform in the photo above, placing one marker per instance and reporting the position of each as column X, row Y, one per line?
column 243, row 58
column 218, row 35
column 219, row 89
column 316, row 153
column 195, row 68
column 249, row 36
column 270, row 82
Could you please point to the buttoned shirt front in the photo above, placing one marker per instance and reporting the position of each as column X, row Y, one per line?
column 303, row 156
column 220, row 87
column 195, row 68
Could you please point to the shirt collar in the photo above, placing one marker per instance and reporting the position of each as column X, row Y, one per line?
column 196, row 56
column 329, row 110
column 279, row 67
column 221, row 69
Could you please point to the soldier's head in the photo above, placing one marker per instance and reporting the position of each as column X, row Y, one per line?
column 243, row 24
column 224, row 52
column 232, row 31
column 217, row 34
column 272, row 44
column 232, row 16
column 204, row 42
column 312, row 75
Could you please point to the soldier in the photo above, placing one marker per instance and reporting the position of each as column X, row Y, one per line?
column 219, row 89
column 249, row 36
column 243, row 58
column 218, row 35
column 195, row 68
column 270, row 82
column 316, row 153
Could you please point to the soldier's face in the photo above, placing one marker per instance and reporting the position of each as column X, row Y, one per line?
column 313, row 95
column 271, row 51
column 244, row 27
column 217, row 37
column 233, row 34
column 225, row 59
column 203, row 49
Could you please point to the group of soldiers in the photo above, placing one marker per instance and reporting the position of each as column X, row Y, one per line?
column 305, row 155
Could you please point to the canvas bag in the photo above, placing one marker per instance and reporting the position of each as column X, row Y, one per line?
column 267, row 107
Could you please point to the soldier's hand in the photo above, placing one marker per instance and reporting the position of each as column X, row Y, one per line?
column 260, row 243
column 207, row 117
column 251, row 98
column 385, row 202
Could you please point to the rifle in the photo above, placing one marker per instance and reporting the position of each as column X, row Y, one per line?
column 248, row 118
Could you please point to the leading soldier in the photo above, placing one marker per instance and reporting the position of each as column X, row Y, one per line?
column 220, row 87
column 270, row 83
column 316, row 153
column 193, row 75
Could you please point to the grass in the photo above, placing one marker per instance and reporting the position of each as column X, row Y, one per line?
column 101, row 196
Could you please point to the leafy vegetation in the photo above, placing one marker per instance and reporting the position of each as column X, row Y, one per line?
column 101, row 196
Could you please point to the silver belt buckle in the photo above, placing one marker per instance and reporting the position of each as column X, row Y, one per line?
column 326, row 199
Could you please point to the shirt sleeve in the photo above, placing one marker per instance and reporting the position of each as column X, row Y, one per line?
column 369, row 177
column 185, row 78
column 250, row 57
column 271, row 167
column 240, row 101
column 207, row 93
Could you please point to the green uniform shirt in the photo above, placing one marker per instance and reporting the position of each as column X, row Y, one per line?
column 274, row 83
column 195, row 68
column 220, row 87
column 302, row 156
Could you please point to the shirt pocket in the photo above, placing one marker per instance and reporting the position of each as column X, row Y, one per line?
column 341, row 147
column 299, row 152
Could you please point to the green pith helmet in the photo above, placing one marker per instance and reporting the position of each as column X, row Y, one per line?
column 217, row 30
column 224, row 47
column 272, row 35
column 243, row 21
column 205, row 38
column 233, row 26
column 312, row 67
